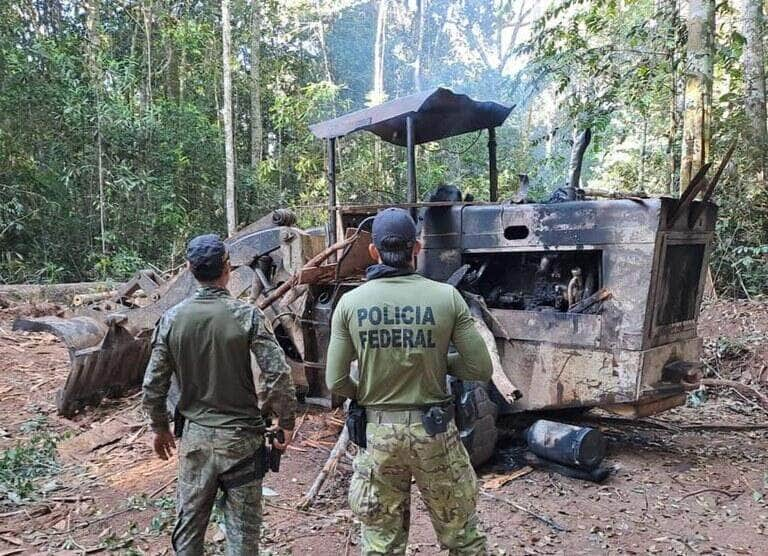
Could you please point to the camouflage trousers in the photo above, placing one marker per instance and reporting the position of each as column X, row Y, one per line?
column 380, row 491
column 206, row 453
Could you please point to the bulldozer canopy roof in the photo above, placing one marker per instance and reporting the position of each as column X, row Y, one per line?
column 437, row 114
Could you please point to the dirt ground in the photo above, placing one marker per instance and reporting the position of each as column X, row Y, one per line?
column 688, row 482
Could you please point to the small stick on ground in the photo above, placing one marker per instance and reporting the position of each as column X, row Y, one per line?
column 162, row 487
column 724, row 427
column 544, row 519
column 294, row 510
column 348, row 543
column 328, row 469
column 731, row 495
column 298, row 426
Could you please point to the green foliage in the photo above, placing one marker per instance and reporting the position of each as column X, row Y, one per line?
column 22, row 465
column 164, row 519
column 154, row 93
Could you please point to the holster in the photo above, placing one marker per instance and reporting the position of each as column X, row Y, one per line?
column 356, row 423
column 437, row 418
column 273, row 454
column 250, row 469
column 178, row 423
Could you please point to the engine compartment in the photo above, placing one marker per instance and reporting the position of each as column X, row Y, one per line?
column 536, row 280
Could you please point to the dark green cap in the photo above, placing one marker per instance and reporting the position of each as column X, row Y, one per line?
column 206, row 253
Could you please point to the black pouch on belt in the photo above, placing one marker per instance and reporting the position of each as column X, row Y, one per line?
column 356, row 422
column 250, row 469
column 436, row 419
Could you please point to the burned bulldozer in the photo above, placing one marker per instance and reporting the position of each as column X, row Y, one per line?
column 583, row 302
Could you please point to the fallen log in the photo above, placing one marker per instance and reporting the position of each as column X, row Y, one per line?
column 328, row 469
column 58, row 293
column 85, row 298
column 738, row 386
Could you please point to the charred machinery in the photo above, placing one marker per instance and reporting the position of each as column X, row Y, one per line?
column 583, row 302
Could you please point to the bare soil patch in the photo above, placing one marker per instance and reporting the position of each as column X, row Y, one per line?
column 675, row 489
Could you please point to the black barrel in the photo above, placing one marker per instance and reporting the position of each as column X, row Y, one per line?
column 567, row 444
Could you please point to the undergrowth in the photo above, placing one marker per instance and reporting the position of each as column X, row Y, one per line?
column 25, row 463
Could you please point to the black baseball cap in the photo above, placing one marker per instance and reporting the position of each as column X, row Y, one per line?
column 394, row 225
column 207, row 254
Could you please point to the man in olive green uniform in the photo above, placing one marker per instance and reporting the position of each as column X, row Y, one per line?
column 206, row 342
column 399, row 326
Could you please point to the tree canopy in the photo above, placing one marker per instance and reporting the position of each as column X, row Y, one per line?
column 114, row 114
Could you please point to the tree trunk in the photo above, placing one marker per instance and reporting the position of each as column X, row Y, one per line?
column 323, row 45
column 697, row 131
column 93, row 25
column 257, row 129
column 183, row 56
column 643, row 154
column 146, row 12
column 378, row 96
column 754, row 86
column 418, row 76
column 669, row 12
column 229, row 145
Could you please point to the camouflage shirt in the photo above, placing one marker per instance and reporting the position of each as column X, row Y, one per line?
column 206, row 341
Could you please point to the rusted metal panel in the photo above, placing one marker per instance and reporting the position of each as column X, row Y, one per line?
column 646, row 408
column 561, row 225
column 677, row 286
column 653, row 361
column 356, row 258
column 570, row 329
column 552, row 376
column 298, row 247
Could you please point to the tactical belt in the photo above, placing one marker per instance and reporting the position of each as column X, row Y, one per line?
column 405, row 416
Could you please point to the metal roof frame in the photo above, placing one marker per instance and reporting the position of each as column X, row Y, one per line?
column 436, row 114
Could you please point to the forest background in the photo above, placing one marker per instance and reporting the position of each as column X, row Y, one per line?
column 127, row 125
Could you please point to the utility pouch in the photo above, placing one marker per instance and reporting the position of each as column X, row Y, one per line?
column 178, row 423
column 356, row 423
column 250, row 469
column 436, row 419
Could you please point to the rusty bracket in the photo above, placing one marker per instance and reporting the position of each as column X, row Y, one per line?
column 698, row 209
column 693, row 189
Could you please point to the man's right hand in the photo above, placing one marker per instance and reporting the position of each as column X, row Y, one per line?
column 287, row 435
column 164, row 444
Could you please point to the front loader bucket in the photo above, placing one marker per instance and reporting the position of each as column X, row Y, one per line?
column 104, row 360
column 109, row 341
